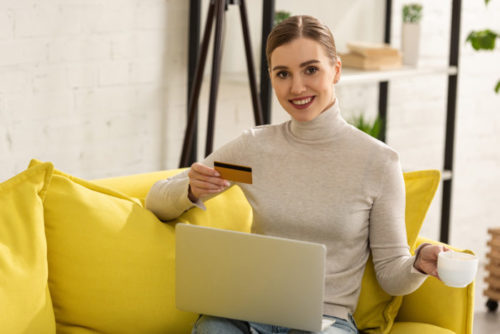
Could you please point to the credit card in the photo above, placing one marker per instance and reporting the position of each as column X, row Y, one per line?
column 233, row 172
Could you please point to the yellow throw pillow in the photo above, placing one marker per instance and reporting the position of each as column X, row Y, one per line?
column 25, row 304
column 229, row 210
column 137, row 185
column 111, row 262
column 220, row 212
column 377, row 309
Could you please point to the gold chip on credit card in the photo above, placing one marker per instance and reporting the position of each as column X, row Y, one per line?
column 233, row 172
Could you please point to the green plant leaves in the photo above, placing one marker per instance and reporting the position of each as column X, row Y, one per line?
column 373, row 128
column 412, row 13
column 483, row 39
column 280, row 15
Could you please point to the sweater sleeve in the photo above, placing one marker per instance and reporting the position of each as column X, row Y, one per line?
column 168, row 199
column 391, row 256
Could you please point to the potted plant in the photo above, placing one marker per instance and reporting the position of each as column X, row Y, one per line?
column 410, row 36
column 484, row 40
column 281, row 15
column 371, row 127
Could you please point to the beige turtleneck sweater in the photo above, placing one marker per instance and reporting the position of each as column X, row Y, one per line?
column 322, row 181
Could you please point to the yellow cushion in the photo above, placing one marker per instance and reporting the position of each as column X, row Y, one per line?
column 111, row 262
column 25, row 304
column 229, row 210
column 220, row 212
column 137, row 185
column 418, row 328
column 458, row 302
column 376, row 309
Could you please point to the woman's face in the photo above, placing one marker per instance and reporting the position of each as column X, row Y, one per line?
column 303, row 76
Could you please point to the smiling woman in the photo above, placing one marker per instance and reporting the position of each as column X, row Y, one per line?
column 303, row 66
column 314, row 178
column 303, row 78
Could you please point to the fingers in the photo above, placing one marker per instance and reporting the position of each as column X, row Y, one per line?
column 206, row 186
column 429, row 258
column 439, row 249
column 204, row 181
column 206, row 175
column 433, row 271
column 201, row 169
column 430, row 252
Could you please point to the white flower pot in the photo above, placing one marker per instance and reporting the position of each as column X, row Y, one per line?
column 410, row 43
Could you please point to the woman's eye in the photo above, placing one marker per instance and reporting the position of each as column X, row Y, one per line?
column 311, row 70
column 282, row 74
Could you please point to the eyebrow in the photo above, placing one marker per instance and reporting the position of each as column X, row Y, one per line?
column 309, row 62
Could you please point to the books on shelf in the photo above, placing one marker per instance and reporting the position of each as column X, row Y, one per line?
column 372, row 49
column 371, row 56
column 368, row 63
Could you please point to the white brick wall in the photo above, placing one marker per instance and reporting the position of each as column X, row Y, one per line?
column 82, row 83
column 476, row 192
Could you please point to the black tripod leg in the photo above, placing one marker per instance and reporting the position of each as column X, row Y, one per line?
column 265, row 84
column 257, row 106
column 195, row 91
column 214, row 82
column 193, row 53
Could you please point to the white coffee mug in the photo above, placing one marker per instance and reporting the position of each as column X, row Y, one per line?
column 457, row 269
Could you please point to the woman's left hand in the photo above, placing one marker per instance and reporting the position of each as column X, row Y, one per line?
column 426, row 260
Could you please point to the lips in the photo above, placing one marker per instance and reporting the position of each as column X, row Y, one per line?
column 302, row 102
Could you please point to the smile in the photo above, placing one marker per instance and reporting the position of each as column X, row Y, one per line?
column 302, row 102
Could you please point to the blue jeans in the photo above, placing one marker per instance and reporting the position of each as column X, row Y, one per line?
column 215, row 325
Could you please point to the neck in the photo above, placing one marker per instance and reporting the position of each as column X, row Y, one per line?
column 324, row 127
column 330, row 105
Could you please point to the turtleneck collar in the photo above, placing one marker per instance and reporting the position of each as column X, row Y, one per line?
column 323, row 128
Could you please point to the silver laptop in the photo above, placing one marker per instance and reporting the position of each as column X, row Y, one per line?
column 250, row 277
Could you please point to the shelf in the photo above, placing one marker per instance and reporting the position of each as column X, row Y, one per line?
column 445, row 174
column 354, row 76
column 493, row 294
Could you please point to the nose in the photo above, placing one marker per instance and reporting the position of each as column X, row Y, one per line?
column 298, row 85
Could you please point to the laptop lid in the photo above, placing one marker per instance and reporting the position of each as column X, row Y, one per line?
column 250, row 277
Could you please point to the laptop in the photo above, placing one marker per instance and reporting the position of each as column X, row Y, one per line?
column 250, row 277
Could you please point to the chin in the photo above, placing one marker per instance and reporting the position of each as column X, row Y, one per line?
column 306, row 117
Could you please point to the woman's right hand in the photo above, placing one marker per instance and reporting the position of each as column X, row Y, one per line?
column 204, row 181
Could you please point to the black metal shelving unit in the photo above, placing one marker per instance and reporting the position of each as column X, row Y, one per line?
column 266, row 93
column 456, row 9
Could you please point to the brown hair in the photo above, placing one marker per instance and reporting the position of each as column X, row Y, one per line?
column 301, row 26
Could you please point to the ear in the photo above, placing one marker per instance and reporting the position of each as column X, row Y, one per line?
column 338, row 70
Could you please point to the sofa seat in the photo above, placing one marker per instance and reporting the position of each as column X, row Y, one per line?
column 418, row 328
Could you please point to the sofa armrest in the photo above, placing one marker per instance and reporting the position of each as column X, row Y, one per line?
column 437, row 304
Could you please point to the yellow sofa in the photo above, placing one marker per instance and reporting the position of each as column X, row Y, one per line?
column 109, row 265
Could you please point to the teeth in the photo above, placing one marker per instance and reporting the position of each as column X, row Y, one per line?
column 304, row 101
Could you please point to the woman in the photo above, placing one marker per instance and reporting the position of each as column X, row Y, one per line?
column 316, row 178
